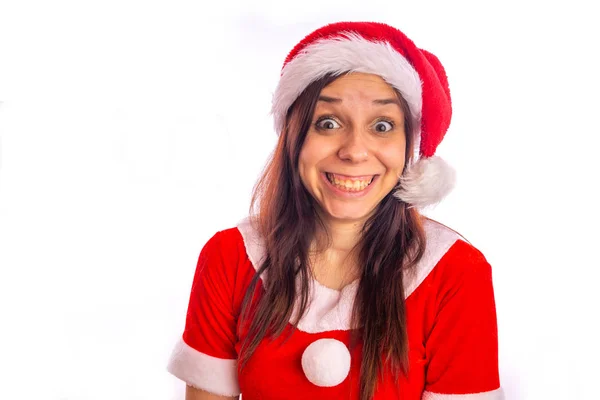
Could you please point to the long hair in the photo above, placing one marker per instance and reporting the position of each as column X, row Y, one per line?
column 392, row 241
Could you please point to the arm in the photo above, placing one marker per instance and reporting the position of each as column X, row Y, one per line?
column 205, row 356
column 197, row 394
column 462, row 346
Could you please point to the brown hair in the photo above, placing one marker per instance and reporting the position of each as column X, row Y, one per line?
column 392, row 241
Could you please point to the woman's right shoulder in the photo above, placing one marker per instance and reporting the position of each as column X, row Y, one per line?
column 237, row 248
column 245, row 236
column 243, row 233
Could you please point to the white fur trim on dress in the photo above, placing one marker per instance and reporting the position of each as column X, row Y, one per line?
column 254, row 244
column 348, row 53
column 439, row 240
column 497, row 394
column 330, row 309
column 426, row 182
column 199, row 370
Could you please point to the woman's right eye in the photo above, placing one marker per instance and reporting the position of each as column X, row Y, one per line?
column 327, row 123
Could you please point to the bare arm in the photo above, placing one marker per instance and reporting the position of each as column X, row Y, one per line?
column 197, row 394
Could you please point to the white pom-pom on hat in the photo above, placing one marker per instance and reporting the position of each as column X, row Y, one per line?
column 426, row 182
column 326, row 362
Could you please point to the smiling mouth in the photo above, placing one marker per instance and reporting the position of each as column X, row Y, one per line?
column 352, row 185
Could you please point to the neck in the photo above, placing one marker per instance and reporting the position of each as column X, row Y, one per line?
column 334, row 259
column 343, row 237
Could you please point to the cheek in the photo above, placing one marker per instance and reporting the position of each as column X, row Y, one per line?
column 311, row 154
column 306, row 164
column 302, row 167
column 393, row 157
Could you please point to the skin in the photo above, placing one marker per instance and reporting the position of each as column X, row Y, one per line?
column 359, row 136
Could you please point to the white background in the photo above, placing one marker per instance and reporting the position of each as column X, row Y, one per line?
column 131, row 131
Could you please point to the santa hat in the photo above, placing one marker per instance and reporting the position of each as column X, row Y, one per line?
column 380, row 49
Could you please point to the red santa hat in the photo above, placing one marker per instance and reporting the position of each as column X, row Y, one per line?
column 383, row 50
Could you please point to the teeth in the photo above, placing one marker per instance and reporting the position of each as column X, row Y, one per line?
column 349, row 185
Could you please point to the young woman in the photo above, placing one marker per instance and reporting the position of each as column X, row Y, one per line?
column 335, row 287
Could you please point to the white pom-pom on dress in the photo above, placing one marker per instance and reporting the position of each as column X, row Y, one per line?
column 326, row 362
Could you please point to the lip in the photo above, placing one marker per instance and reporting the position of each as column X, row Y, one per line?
column 352, row 178
column 349, row 195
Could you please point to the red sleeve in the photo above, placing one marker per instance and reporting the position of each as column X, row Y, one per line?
column 462, row 346
column 205, row 357
column 210, row 324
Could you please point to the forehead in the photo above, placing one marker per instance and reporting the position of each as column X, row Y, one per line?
column 359, row 85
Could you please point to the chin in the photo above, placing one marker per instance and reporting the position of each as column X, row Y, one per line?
column 348, row 213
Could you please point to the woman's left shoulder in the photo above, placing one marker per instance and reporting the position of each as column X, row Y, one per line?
column 448, row 257
column 451, row 249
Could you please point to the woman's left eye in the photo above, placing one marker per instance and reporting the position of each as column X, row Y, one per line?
column 383, row 126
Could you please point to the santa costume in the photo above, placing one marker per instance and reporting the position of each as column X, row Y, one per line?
column 450, row 306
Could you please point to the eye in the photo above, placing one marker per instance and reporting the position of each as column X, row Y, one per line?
column 384, row 126
column 327, row 123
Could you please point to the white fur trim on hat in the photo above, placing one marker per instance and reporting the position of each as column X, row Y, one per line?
column 426, row 182
column 348, row 53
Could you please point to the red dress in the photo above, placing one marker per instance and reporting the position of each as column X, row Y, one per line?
column 451, row 323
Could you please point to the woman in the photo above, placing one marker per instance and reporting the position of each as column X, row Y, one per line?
column 336, row 287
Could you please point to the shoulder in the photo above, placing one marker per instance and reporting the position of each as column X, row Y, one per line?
column 448, row 258
column 224, row 244
column 253, row 242
column 450, row 245
column 463, row 267
column 239, row 249
column 225, row 253
column 459, row 255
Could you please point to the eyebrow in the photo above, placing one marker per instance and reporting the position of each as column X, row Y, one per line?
column 379, row 102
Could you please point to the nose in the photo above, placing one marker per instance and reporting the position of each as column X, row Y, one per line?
column 354, row 148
